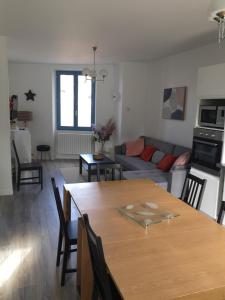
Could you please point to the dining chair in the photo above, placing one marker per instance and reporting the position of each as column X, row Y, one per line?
column 23, row 167
column 109, row 171
column 193, row 189
column 68, row 231
column 104, row 286
column 221, row 213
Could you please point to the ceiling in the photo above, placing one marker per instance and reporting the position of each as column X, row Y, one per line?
column 63, row 31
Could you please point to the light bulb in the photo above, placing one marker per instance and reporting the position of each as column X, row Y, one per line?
column 86, row 71
column 103, row 73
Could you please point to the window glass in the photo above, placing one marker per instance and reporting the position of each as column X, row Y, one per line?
column 66, row 100
column 84, row 102
column 75, row 101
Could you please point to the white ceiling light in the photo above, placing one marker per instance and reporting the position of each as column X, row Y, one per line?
column 92, row 74
column 217, row 14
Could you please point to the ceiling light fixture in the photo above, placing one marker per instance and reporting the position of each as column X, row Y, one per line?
column 217, row 14
column 92, row 74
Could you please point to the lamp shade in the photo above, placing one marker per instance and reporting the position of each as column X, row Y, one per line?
column 24, row 116
column 216, row 7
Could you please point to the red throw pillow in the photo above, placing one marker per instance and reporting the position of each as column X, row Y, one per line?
column 147, row 153
column 166, row 163
column 134, row 148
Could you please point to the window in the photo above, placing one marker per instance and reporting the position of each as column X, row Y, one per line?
column 75, row 101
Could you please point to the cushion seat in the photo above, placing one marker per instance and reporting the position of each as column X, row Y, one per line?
column 30, row 166
column 159, row 177
column 134, row 163
column 43, row 148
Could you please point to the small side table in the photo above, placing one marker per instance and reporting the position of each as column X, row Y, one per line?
column 43, row 148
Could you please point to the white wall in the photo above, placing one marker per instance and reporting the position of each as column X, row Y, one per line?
column 40, row 78
column 133, row 89
column 141, row 88
column 174, row 71
column 5, row 153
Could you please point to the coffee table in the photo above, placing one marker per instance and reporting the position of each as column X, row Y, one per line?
column 89, row 163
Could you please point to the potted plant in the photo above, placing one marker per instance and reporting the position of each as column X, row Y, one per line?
column 103, row 134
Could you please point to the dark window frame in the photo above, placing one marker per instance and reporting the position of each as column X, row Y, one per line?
column 58, row 101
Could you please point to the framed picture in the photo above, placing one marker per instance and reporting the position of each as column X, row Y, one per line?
column 174, row 103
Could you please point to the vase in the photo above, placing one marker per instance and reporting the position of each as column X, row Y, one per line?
column 99, row 147
column 102, row 147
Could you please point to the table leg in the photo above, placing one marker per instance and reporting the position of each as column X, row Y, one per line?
column 80, row 165
column 67, row 204
column 89, row 173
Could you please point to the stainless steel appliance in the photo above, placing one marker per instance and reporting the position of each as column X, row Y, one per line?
column 212, row 116
column 207, row 150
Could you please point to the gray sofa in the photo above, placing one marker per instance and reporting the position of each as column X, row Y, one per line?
column 134, row 167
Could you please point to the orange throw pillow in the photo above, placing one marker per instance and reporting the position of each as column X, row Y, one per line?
column 134, row 148
column 147, row 153
column 166, row 163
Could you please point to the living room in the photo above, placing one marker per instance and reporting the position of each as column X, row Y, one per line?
column 141, row 61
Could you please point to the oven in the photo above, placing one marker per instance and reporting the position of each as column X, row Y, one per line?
column 207, row 150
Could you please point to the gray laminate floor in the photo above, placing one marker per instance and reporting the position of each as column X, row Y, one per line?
column 28, row 242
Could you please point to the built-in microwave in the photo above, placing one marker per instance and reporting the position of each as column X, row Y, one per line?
column 212, row 116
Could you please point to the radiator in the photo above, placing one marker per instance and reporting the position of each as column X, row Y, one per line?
column 73, row 143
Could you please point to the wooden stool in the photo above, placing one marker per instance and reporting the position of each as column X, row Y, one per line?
column 43, row 148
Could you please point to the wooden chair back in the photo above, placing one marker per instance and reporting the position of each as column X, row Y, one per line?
column 101, row 277
column 193, row 190
column 63, row 224
column 221, row 213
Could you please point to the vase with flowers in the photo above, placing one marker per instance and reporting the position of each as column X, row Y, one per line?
column 103, row 134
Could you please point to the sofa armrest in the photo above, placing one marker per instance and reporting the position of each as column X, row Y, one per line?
column 176, row 181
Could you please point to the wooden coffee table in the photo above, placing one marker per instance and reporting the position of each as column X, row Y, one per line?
column 89, row 164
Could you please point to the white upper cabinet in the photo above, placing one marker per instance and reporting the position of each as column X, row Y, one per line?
column 211, row 82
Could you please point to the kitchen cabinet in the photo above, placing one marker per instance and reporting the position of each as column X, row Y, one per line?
column 211, row 82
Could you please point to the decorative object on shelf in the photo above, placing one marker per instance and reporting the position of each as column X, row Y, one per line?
column 174, row 103
column 24, row 116
column 13, row 106
column 103, row 134
column 30, row 95
column 92, row 74
column 217, row 14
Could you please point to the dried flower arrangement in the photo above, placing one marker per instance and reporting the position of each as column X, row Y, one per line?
column 104, row 133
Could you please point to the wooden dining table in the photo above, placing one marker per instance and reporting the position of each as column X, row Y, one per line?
column 179, row 258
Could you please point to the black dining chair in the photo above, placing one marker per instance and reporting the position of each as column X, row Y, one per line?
column 23, row 167
column 221, row 213
column 193, row 190
column 104, row 286
column 109, row 171
column 68, row 231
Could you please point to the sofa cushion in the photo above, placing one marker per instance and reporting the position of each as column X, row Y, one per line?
column 147, row 153
column 123, row 149
column 178, row 150
column 166, row 163
column 182, row 160
column 157, row 157
column 134, row 163
column 160, row 145
column 134, row 148
column 159, row 177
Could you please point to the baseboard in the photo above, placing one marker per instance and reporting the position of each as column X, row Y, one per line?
column 6, row 192
column 67, row 156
